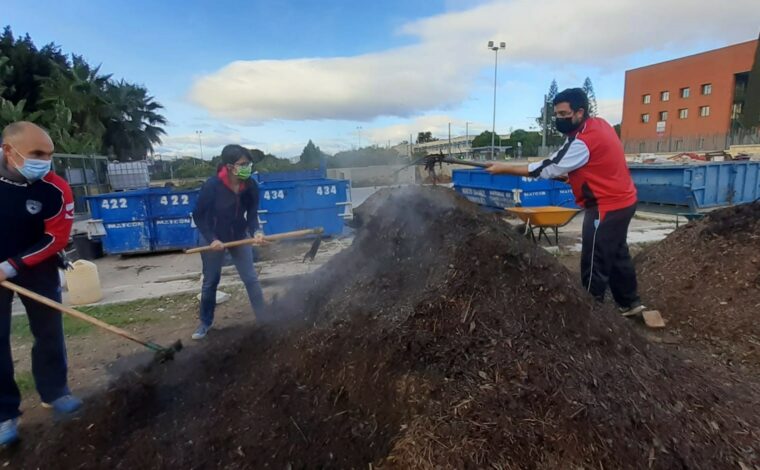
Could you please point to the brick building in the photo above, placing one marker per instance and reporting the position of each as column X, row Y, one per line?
column 691, row 103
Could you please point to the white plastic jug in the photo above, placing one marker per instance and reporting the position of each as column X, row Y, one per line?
column 83, row 283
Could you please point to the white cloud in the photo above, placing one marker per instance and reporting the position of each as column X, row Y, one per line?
column 438, row 124
column 189, row 144
column 440, row 69
column 610, row 110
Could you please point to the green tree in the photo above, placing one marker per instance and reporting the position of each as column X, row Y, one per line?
column 133, row 121
column 529, row 141
column 312, row 156
column 484, row 140
column 548, row 109
column 84, row 110
column 423, row 137
column 617, row 129
column 588, row 87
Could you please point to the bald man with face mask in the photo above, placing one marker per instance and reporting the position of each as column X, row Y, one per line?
column 36, row 216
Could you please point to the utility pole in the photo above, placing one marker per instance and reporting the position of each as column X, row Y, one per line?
column 449, row 139
column 545, row 116
column 200, row 142
column 495, row 48
column 467, row 138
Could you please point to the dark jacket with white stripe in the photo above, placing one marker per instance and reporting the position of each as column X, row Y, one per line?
column 36, row 220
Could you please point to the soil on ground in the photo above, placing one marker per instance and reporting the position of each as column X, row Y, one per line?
column 705, row 278
column 439, row 339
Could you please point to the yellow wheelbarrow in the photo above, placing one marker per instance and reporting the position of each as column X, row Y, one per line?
column 543, row 218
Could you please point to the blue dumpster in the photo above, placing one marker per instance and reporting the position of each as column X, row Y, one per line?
column 290, row 205
column 697, row 186
column 500, row 191
column 146, row 220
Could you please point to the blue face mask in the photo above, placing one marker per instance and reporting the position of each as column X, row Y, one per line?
column 33, row 169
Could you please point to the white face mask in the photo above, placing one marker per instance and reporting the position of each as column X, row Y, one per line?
column 33, row 169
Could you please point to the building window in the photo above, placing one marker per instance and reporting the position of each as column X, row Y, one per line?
column 736, row 111
column 664, row 96
column 707, row 89
column 646, row 99
column 683, row 113
column 685, row 92
column 704, row 111
column 663, row 115
column 645, row 118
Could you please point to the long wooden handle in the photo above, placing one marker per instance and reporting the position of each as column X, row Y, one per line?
column 269, row 238
column 70, row 311
column 465, row 162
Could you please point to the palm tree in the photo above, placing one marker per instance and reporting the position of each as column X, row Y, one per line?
column 133, row 127
column 81, row 89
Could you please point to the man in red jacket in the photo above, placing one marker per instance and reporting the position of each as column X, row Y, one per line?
column 37, row 212
column 593, row 160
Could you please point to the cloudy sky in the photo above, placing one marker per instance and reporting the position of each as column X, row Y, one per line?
column 273, row 74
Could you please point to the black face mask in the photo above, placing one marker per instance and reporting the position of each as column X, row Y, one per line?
column 566, row 125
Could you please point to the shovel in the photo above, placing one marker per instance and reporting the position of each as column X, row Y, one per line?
column 162, row 354
column 273, row 238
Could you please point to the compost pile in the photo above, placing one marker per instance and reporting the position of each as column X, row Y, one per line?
column 705, row 278
column 439, row 339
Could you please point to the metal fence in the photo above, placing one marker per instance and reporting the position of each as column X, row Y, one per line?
column 86, row 174
column 695, row 143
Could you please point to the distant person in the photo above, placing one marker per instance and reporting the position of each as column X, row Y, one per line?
column 227, row 210
column 593, row 160
column 37, row 212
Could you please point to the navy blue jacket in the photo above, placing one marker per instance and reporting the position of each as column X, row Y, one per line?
column 37, row 219
column 223, row 215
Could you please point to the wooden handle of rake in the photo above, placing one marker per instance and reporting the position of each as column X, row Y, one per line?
column 269, row 238
column 74, row 313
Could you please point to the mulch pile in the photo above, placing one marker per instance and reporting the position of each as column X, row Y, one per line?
column 439, row 339
column 705, row 278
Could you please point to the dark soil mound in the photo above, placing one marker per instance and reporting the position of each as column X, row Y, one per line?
column 439, row 339
column 705, row 277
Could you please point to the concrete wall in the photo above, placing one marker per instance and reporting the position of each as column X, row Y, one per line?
column 374, row 175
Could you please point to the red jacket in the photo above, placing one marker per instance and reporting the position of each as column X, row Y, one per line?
column 594, row 161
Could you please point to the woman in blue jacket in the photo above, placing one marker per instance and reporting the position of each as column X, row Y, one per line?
column 227, row 210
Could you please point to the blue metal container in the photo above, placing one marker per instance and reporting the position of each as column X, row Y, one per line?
column 697, row 186
column 174, row 233
column 288, row 176
column 563, row 196
column 146, row 220
column 167, row 203
column 500, row 191
column 127, row 237
column 478, row 177
column 286, row 206
column 121, row 206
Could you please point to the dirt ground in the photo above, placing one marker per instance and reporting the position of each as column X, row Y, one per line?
column 705, row 277
column 97, row 358
column 452, row 343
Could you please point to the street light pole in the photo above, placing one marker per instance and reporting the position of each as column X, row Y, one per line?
column 449, row 139
column 359, row 130
column 492, row 45
column 200, row 142
column 467, row 145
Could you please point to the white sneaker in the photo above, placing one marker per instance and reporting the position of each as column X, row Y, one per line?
column 633, row 310
column 201, row 331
